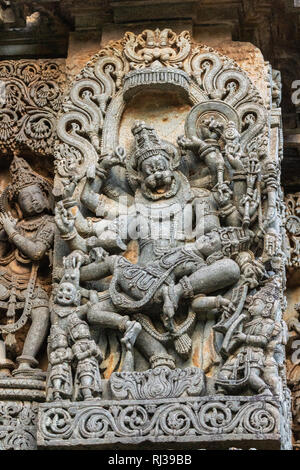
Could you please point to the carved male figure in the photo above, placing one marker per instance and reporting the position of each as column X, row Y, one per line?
column 87, row 356
column 59, row 383
column 25, row 244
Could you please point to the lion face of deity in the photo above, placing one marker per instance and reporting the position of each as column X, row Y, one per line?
column 32, row 200
column 66, row 294
column 156, row 173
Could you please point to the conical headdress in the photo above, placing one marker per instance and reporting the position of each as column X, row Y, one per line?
column 22, row 176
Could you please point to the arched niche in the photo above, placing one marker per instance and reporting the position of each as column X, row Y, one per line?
column 131, row 79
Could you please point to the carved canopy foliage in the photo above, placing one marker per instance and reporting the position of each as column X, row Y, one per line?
column 30, row 97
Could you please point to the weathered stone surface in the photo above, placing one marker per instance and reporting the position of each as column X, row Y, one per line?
column 212, row 298
column 210, row 422
column 153, row 120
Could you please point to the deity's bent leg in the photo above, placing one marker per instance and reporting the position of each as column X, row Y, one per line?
column 35, row 337
column 221, row 274
column 103, row 313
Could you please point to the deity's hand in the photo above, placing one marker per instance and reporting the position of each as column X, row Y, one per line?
column 64, row 219
column 252, row 173
column 117, row 158
column 98, row 254
column 226, row 303
column 70, row 187
column 8, row 223
column 252, row 201
column 239, row 336
column 69, row 204
column 235, row 161
column 222, row 194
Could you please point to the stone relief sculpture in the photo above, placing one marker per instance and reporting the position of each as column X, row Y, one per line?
column 293, row 228
column 168, row 264
column 293, row 368
column 26, row 241
column 26, row 247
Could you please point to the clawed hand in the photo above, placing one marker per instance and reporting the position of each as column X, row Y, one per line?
column 64, row 218
column 74, row 260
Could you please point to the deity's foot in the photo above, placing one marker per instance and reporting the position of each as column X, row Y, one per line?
column 131, row 333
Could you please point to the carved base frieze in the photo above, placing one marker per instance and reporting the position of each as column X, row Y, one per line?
column 208, row 422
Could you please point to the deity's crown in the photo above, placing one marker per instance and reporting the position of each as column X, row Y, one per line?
column 73, row 323
column 22, row 176
column 147, row 143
